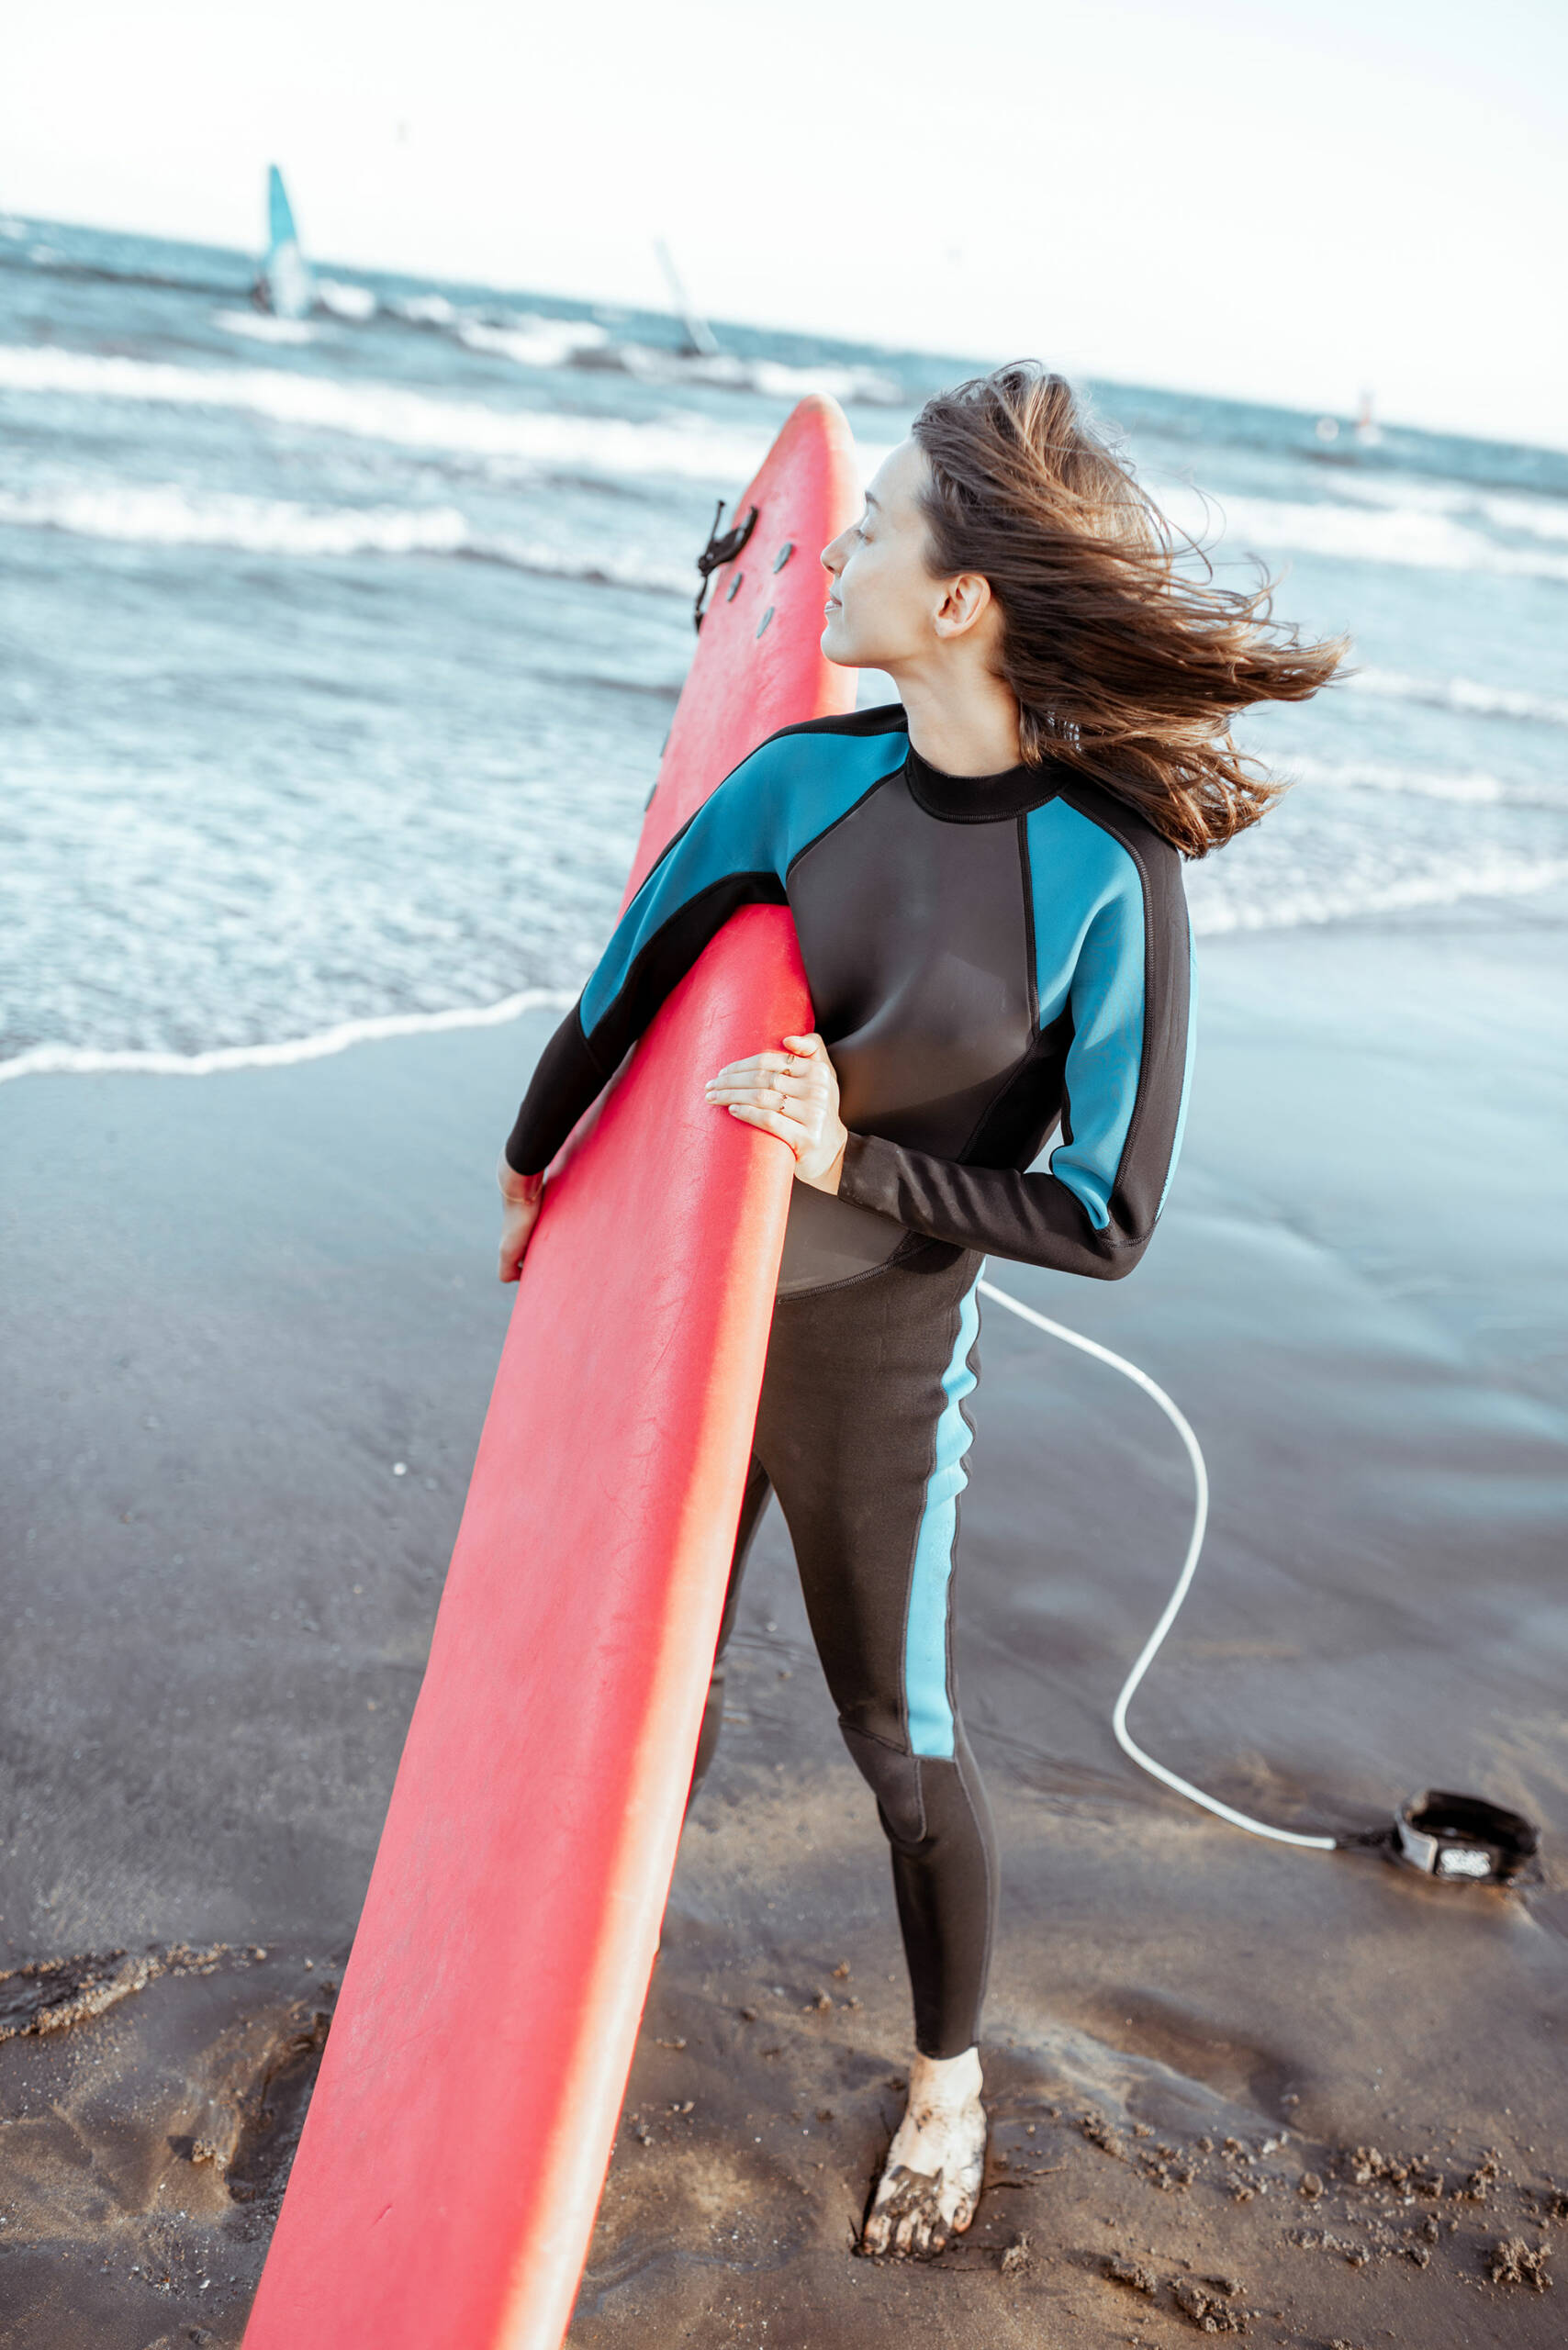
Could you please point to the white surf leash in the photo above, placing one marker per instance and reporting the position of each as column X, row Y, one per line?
column 1151, row 1647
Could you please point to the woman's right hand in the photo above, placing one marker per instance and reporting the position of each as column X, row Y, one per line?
column 520, row 1196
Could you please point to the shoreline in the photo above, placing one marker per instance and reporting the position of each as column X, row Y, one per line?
column 1414, row 898
column 237, row 1308
column 323, row 1044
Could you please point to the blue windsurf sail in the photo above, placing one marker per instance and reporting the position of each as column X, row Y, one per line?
column 284, row 285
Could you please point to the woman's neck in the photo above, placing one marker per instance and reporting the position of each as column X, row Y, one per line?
column 966, row 725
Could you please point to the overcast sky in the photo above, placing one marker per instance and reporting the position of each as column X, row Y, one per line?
column 1288, row 201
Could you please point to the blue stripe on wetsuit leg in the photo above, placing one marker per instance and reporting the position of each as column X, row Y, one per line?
column 926, row 1633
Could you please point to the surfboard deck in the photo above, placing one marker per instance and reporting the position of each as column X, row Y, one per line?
column 446, row 2180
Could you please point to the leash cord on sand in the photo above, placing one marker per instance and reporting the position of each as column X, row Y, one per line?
column 1151, row 1647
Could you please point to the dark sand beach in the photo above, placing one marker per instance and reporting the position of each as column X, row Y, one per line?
column 252, row 1321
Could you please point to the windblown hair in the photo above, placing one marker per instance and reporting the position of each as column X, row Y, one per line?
column 1126, row 664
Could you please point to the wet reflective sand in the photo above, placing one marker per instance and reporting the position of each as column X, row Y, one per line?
column 1230, row 2083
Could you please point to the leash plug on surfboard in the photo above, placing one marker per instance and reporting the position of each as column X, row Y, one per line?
column 722, row 547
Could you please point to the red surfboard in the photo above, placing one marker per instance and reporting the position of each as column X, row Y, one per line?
column 453, row 2157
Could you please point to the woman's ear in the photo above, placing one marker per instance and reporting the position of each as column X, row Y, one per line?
column 965, row 604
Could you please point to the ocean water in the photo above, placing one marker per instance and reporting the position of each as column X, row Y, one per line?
column 336, row 659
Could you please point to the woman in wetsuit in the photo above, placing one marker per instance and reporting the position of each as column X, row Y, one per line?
column 985, row 878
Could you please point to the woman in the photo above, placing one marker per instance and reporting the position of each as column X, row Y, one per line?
column 986, row 881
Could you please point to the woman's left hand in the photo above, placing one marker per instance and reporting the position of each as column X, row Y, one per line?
column 792, row 1093
column 520, row 1196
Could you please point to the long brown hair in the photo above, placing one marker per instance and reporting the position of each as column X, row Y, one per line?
column 1124, row 665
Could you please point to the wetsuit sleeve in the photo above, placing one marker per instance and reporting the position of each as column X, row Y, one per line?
column 728, row 856
column 1125, row 980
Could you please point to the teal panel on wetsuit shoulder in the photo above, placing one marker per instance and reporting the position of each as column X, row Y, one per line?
column 1088, row 950
column 925, row 1632
column 780, row 799
column 1187, row 1068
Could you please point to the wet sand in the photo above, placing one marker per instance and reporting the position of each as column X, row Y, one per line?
column 1235, row 2086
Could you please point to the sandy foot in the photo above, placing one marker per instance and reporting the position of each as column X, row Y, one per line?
column 931, row 2181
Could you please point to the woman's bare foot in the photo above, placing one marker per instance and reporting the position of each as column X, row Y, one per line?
column 931, row 2181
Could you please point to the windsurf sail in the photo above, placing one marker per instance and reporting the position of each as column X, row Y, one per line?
column 284, row 285
column 700, row 340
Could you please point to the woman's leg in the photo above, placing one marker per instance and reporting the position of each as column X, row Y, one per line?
column 754, row 1501
column 863, row 1431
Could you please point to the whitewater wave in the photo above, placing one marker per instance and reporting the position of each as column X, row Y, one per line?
column 1538, row 516
column 861, row 387
column 1214, row 914
column 381, row 411
column 1460, row 694
column 1410, row 535
column 1489, row 874
column 533, row 342
column 1467, row 787
column 695, row 451
column 424, row 310
column 82, row 1060
column 260, row 325
column 1217, row 910
column 355, row 303
column 164, row 515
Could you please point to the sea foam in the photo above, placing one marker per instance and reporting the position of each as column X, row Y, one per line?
column 1410, row 535
column 1460, row 694
column 1217, row 910
column 383, row 411
column 163, row 514
column 1405, row 535
column 1466, row 787
column 1488, row 874
column 260, row 325
column 80, row 1060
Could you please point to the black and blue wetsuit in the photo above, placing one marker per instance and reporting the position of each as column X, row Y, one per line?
column 992, row 960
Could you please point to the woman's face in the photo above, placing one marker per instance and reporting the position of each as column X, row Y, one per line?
column 882, row 602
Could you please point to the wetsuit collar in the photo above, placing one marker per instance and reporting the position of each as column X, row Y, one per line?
column 979, row 798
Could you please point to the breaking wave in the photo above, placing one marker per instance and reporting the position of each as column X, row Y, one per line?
column 1468, row 786
column 166, row 515
column 1491, row 873
column 260, row 325
column 1407, row 535
column 1460, row 694
column 381, row 411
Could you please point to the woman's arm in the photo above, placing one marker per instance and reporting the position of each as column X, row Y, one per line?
column 1094, row 1210
column 724, row 858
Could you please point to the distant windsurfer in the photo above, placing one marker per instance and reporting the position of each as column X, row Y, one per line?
column 283, row 286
